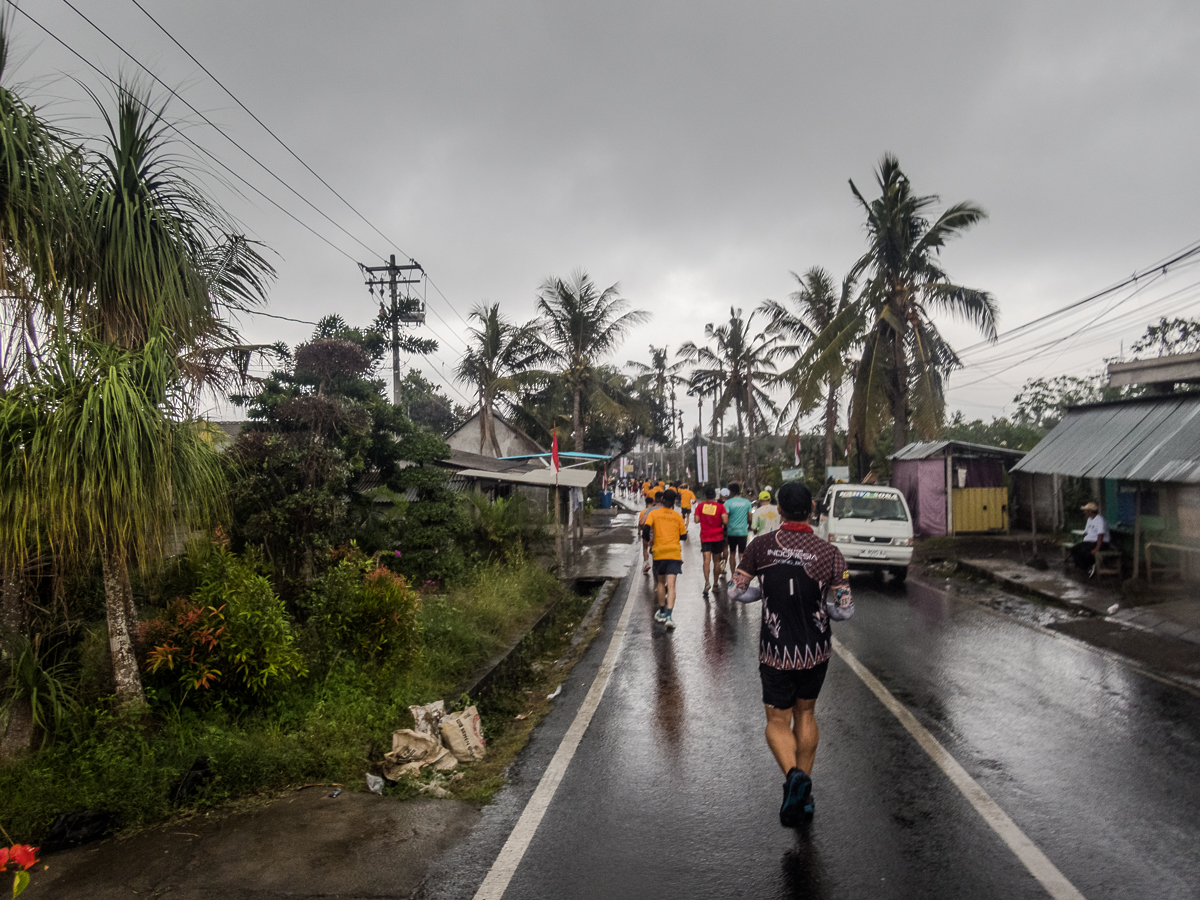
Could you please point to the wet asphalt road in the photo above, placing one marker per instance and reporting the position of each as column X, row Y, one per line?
column 673, row 791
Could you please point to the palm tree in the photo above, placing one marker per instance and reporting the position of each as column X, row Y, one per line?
column 498, row 355
column 580, row 326
column 108, row 466
column 813, row 308
column 111, row 458
column 905, row 360
column 157, row 257
column 37, row 175
column 660, row 379
column 736, row 368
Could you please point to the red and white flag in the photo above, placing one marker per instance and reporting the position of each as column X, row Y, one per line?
column 554, row 451
column 797, row 450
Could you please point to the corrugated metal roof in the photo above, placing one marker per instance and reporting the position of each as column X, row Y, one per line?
column 1149, row 439
column 930, row 449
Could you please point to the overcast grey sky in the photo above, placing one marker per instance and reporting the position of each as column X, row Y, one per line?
column 694, row 152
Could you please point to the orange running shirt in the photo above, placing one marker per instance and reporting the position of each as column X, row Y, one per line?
column 685, row 498
column 668, row 528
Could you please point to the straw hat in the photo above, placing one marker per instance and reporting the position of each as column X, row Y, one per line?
column 1090, row 507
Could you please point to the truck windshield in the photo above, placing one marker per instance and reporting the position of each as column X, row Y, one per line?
column 869, row 505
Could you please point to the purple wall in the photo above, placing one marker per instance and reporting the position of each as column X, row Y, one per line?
column 923, row 483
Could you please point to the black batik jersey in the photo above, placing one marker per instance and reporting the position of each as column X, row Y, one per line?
column 800, row 571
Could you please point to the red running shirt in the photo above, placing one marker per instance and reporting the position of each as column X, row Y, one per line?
column 708, row 513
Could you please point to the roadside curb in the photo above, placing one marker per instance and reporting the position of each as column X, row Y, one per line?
column 1016, row 584
column 482, row 681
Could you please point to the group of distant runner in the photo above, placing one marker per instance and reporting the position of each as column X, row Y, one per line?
column 775, row 557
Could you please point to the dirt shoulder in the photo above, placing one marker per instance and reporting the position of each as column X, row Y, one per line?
column 307, row 844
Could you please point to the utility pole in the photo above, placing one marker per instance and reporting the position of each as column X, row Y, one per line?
column 413, row 312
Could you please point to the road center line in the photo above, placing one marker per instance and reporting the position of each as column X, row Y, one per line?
column 513, row 851
column 1027, row 851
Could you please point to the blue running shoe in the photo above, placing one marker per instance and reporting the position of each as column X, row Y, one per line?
column 797, row 799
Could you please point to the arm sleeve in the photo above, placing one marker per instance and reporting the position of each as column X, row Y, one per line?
column 683, row 534
column 838, row 601
column 741, row 588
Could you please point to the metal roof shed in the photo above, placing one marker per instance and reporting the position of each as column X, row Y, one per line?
column 954, row 486
column 1144, row 441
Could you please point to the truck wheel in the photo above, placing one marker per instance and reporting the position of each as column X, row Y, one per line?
column 900, row 573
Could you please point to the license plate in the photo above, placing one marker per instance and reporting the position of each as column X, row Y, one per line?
column 873, row 554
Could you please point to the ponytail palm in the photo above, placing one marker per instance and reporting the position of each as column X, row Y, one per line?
column 157, row 257
column 37, row 173
column 104, row 468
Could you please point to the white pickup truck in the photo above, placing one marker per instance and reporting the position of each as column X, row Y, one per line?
column 871, row 525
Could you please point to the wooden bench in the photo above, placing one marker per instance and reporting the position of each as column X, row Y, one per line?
column 1108, row 562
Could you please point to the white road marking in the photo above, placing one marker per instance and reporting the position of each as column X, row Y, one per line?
column 1027, row 851
column 513, row 851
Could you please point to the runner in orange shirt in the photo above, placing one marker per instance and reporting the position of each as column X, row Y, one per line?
column 651, row 505
column 666, row 531
column 686, row 498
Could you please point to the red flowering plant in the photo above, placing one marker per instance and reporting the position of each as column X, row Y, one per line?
column 184, row 642
column 18, row 859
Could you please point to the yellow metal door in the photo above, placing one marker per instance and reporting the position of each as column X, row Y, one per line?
column 980, row 509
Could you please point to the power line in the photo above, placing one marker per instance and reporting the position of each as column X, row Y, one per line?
column 184, row 137
column 1160, row 267
column 265, row 127
column 290, row 151
column 213, row 125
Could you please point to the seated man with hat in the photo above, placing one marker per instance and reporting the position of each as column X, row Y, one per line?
column 1095, row 538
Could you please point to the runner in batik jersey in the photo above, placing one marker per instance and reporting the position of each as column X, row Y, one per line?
column 804, row 584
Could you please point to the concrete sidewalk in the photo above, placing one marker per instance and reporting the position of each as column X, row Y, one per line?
column 1177, row 618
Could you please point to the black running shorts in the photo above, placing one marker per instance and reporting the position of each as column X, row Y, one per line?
column 668, row 567
column 737, row 542
column 646, row 534
column 783, row 687
column 712, row 546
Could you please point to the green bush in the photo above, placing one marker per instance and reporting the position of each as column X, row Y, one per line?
column 506, row 528
column 329, row 728
column 233, row 636
column 363, row 609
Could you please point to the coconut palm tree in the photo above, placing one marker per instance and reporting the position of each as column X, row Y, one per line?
column 905, row 360
column 660, row 379
column 737, row 367
column 816, row 304
column 498, row 355
column 579, row 326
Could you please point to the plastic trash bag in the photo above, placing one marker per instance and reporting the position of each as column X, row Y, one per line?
column 428, row 717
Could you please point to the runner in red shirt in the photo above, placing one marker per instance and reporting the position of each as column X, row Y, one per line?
column 713, row 518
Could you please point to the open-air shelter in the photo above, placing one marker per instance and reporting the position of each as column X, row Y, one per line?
column 1142, row 457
